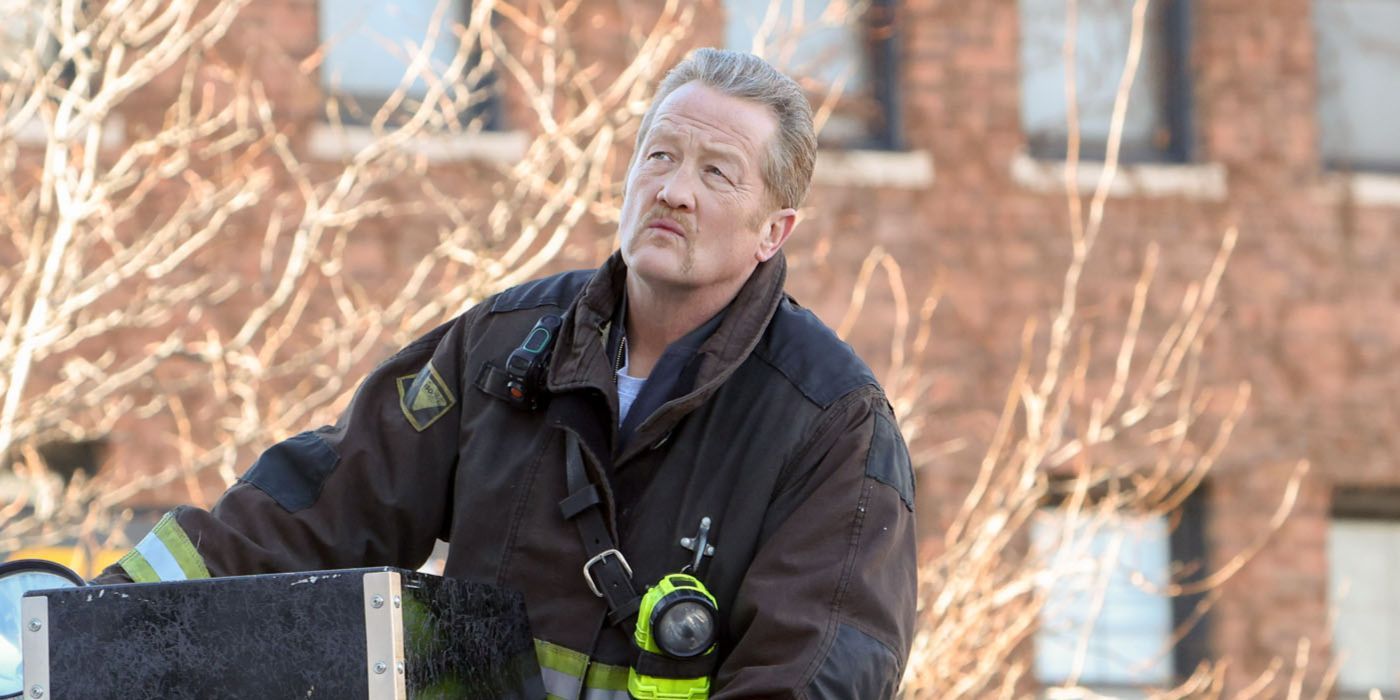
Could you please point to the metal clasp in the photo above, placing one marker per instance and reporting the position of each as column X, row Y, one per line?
column 588, row 574
column 700, row 544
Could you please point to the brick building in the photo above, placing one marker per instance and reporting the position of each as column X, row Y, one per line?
column 1274, row 117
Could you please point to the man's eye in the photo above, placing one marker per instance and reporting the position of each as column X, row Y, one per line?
column 716, row 171
column 658, row 155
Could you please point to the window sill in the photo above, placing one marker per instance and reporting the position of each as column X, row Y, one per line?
column 1364, row 189
column 900, row 169
column 1097, row 691
column 331, row 142
column 34, row 133
column 1203, row 181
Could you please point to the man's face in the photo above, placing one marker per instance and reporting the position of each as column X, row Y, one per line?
column 696, row 214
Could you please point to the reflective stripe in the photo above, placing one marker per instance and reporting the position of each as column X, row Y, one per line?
column 161, row 559
column 178, row 543
column 562, row 669
column 599, row 694
column 562, row 659
column 605, row 677
column 566, row 673
column 560, row 685
column 164, row 554
column 137, row 568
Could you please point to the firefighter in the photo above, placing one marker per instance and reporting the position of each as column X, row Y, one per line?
column 700, row 490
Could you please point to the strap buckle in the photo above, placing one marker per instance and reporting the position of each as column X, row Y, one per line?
column 600, row 559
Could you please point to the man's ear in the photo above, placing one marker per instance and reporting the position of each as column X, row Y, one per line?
column 776, row 230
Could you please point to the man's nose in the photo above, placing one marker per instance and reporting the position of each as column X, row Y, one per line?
column 678, row 190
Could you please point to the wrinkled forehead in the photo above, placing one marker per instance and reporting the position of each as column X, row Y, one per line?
column 716, row 120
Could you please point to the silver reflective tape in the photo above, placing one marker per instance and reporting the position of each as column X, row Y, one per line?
column 560, row 684
column 161, row 559
column 598, row 694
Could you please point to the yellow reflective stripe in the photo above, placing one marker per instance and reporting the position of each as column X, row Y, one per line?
column 562, row 659
column 606, row 677
column 174, row 538
column 563, row 672
column 164, row 554
column 136, row 567
column 598, row 694
column 561, row 669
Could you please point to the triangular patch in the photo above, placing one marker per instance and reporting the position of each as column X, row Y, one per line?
column 428, row 398
column 424, row 397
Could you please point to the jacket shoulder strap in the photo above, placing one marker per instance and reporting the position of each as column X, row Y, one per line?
column 607, row 572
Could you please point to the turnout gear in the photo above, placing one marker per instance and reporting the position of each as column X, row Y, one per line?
column 775, row 430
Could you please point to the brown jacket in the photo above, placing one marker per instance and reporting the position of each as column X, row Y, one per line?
column 785, row 441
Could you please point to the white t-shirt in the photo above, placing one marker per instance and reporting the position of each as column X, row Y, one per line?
column 628, row 387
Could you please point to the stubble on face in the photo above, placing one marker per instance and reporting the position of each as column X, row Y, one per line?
column 687, row 241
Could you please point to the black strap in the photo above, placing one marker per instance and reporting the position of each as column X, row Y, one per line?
column 607, row 570
column 495, row 382
column 659, row 666
column 580, row 501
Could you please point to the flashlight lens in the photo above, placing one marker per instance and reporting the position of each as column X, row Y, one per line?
column 686, row 629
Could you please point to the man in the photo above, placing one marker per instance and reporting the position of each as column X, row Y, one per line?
column 684, row 387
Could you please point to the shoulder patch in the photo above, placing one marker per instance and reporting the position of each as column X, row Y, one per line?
column 822, row 366
column 424, row 397
column 555, row 290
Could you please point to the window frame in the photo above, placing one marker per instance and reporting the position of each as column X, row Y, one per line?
column 1359, row 504
column 1187, row 565
column 881, row 48
column 358, row 108
column 1176, row 99
column 1333, row 163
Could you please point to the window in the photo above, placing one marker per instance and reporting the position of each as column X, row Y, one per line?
column 1363, row 557
column 1156, row 126
column 1107, row 593
column 1125, row 640
column 829, row 48
column 68, row 459
column 1358, row 57
column 369, row 46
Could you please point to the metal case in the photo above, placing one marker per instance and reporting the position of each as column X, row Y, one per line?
column 355, row 633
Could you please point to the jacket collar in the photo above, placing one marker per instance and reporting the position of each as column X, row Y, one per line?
column 581, row 357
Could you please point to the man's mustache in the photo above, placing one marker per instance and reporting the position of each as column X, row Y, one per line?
column 658, row 213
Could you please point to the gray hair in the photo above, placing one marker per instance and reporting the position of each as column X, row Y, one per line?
column 788, row 171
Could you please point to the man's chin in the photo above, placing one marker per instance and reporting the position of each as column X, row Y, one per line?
column 661, row 268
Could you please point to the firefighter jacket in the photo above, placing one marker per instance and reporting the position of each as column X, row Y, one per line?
column 785, row 441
